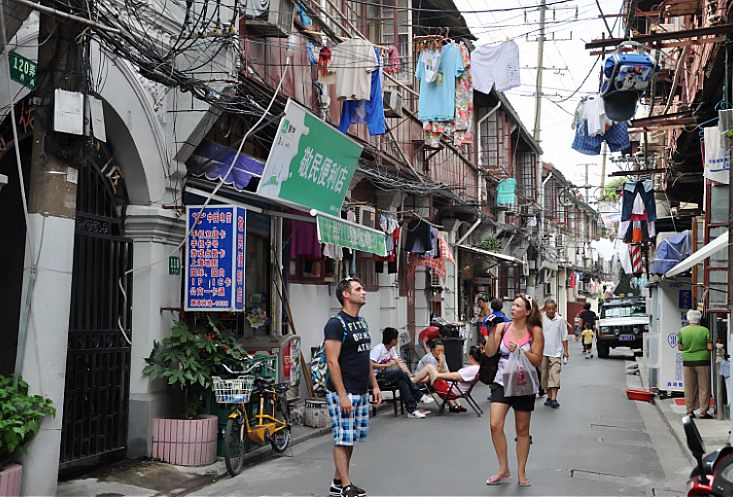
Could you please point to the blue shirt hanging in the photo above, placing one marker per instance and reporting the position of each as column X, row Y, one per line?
column 369, row 112
column 438, row 99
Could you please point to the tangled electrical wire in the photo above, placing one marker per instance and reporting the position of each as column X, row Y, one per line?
column 167, row 51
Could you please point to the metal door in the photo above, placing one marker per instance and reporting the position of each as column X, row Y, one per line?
column 98, row 355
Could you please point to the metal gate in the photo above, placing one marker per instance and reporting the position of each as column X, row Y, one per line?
column 98, row 355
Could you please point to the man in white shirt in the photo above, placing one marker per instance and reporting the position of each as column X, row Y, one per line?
column 555, row 330
column 388, row 366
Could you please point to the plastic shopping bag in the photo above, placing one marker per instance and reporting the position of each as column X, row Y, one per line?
column 520, row 376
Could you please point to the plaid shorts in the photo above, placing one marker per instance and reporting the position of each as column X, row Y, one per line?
column 617, row 138
column 351, row 428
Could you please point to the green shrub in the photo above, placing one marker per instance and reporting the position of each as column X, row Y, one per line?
column 188, row 358
column 20, row 417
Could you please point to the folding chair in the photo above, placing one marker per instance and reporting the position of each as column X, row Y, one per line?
column 395, row 399
column 455, row 393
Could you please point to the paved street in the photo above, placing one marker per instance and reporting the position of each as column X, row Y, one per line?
column 597, row 443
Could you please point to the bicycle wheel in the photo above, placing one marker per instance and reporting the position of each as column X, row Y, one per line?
column 281, row 439
column 234, row 445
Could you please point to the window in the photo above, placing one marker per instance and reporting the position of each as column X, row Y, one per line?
column 366, row 273
column 719, row 210
column 389, row 26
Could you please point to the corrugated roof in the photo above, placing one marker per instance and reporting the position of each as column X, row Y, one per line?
column 446, row 15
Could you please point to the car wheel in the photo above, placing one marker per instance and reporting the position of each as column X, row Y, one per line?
column 602, row 350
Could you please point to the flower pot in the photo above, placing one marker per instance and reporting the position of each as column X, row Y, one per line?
column 186, row 442
column 10, row 480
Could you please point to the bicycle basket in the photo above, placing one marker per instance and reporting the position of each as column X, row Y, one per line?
column 233, row 391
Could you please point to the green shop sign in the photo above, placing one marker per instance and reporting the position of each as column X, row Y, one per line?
column 310, row 164
column 350, row 235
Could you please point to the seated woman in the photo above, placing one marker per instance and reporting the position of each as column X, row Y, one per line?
column 440, row 380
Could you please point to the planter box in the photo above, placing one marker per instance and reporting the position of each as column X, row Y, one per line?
column 10, row 480
column 186, row 442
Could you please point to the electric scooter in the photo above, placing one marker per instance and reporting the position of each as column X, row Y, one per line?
column 713, row 475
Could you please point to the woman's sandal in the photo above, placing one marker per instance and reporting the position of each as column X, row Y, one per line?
column 498, row 479
column 525, row 482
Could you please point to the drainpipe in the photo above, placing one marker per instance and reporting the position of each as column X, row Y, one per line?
column 542, row 220
column 478, row 132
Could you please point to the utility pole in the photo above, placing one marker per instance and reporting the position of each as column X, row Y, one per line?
column 538, row 84
column 43, row 338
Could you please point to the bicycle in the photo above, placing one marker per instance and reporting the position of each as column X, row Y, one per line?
column 268, row 424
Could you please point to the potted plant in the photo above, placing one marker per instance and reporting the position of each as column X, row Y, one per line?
column 186, row 360
column 20, row 419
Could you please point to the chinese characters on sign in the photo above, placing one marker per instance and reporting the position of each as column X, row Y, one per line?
column 22, row 70
column 215, row 258
column 310, row 164
column 350, row 235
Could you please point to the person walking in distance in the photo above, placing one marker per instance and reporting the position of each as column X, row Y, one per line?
column 524, row 331
column 555, row 331
column 695, row 342
column 347, row 344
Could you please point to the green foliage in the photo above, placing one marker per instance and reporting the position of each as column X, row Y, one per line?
column 491, row 244
column 188, row 358
column 20, row 417
column 611, row 191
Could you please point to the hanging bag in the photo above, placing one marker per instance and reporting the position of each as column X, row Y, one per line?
column 520, row 376
column 489, row 365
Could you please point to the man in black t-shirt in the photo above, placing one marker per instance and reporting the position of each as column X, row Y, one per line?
column 589, row 318
column 347, row 346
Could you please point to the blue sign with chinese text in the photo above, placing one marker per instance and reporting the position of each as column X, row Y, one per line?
column 215, row 258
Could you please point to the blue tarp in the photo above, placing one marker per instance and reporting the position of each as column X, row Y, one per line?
column 213, row 160
column 670, row 252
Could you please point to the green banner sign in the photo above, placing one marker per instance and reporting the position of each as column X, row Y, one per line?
column 350, row 235
column 310, row 164
column 22, row 70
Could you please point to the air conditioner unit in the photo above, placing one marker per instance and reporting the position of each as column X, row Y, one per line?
column 392, row 103
column 366, row 216
column 271, row 18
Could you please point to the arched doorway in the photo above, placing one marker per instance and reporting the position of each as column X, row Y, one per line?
column 96, row 397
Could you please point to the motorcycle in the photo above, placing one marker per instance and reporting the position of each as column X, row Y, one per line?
column 713, row 475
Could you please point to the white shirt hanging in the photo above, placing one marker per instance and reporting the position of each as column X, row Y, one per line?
column 495, row 65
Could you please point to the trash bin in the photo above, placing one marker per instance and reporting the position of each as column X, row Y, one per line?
column 454, row 353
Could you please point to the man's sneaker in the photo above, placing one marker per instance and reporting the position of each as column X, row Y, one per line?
column 335, row 490
column 352, row 491
column 414, row 414
column 426, row 399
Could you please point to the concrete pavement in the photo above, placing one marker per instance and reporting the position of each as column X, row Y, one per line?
column 597, row 443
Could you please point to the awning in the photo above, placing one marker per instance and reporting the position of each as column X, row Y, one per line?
column 696, row 258
column 495, row 255
column 213, row 161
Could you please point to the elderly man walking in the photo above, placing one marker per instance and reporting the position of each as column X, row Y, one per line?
column 695, row 342
column 555, row 330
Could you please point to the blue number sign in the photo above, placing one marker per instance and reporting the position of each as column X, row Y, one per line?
column 215, row 258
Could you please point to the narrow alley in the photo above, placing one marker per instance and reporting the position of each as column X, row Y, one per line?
column 597, row 443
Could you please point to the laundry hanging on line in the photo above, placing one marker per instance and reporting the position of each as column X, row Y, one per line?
column 369, row 112
column 638, row 212
column 495, row 65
